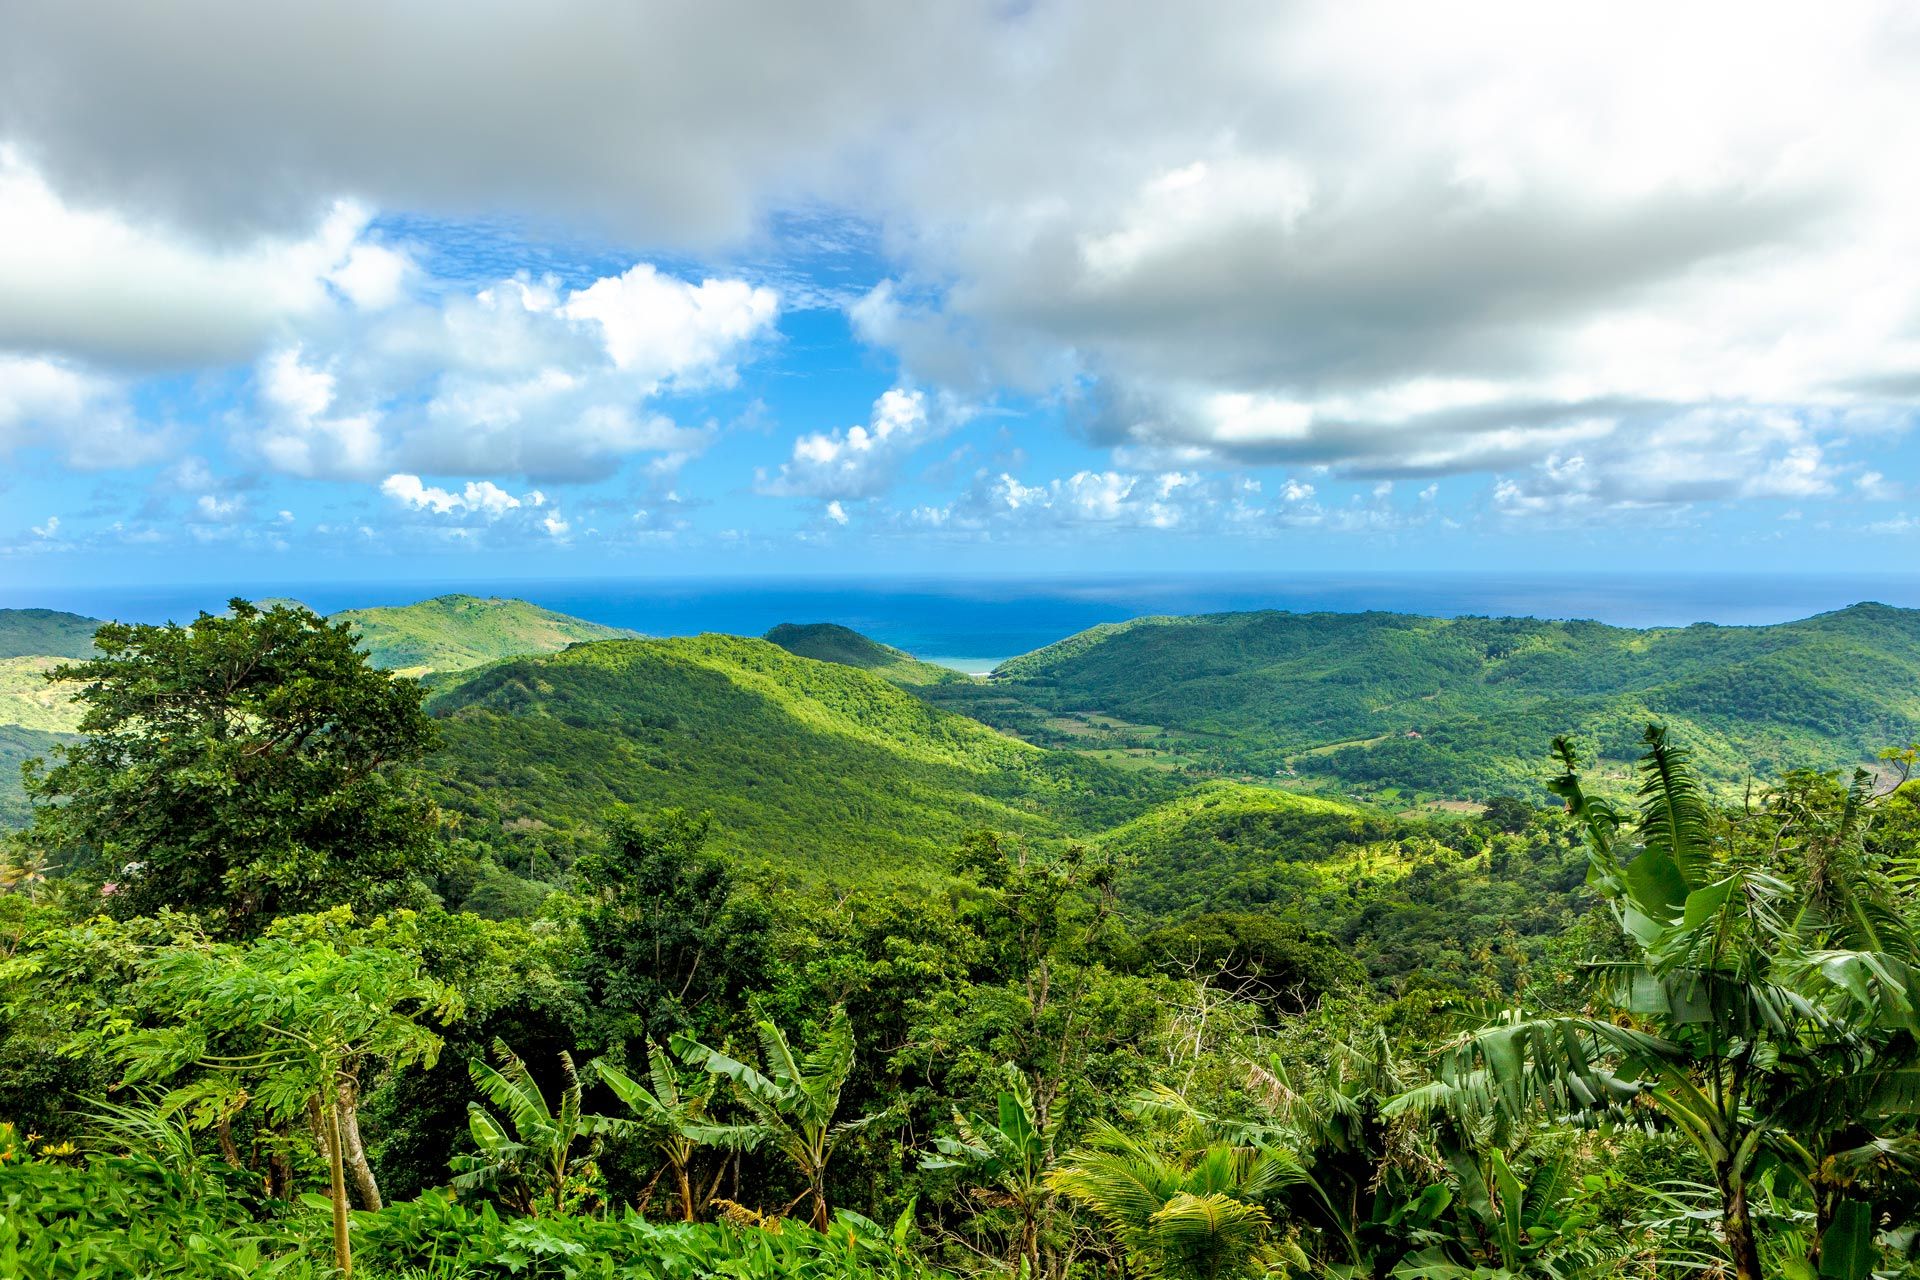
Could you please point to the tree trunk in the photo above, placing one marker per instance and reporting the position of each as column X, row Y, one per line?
column 279, row 1162
column 337, row 1188
column 1737, row 1223
column 353, row 1150
column 224, row 1132
column 686, row 1191
column 822, row 1219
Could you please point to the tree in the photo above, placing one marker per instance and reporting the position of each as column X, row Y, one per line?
column 1043, row 919
column 1508, row 813
column 793, row 1104
column 1767, row 1012
column 290, row 1024
column 666, row 947
column 244, row 766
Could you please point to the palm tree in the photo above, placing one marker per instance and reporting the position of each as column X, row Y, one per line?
column 1181, row 1209
column 535, row 1164
column 672, row 1115
column 1014, row 1152
column 792, row 1103
column 1767, row 1014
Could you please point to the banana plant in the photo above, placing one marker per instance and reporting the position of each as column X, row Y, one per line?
column 671, row 1116
column 530, row 1160
column 1768, row 1015
column 1013, row 1152
column 1501, row 1226
column 792, row 1101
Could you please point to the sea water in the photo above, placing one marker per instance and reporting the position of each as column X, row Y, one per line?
column 972, row 623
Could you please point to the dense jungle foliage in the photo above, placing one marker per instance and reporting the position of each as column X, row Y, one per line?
column 699, row 958
column 1459, row 706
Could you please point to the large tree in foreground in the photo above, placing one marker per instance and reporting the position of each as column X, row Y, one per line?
column 1766, row 1012
column 243, row 767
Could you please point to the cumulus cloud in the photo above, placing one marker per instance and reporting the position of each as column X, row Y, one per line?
column 481, row 511
column 95, row 284
column 1388, row 240
column 481, row 497
column 80, row 416
column 517, row 378
column 656, row 327
column 861, row 461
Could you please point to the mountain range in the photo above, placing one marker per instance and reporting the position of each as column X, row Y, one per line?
column 825, row 754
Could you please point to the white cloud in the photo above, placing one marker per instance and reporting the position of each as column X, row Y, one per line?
column 47, row 531
column 479, row 514
column 836, row 512
column 998, row 504
column 514, row 378
column 300, row 435
column 80, row 416
column 656, row 327
column 215, row 508
column 1875, row 487
column 1390, row 240
column 482, row 498
column 859, row 461
column 97, row 284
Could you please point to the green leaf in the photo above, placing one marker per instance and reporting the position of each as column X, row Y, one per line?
column 1846, row 1250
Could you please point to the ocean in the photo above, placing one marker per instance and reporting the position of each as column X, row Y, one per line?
column 973, row 623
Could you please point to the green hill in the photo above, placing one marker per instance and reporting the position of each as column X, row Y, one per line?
column 1462, row 706
column 27, row 700
column 819, row 769
column 454, row 633
column 829, row 642
column 46, row 633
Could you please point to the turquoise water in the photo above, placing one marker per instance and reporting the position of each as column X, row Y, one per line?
column 975, row 622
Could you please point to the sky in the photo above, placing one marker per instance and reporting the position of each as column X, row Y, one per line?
column 596, row 287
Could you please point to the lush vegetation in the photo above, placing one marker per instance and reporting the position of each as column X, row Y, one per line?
column 823, row 771
column 717, row 961
column 28, row 633
column 451, row 633
column 1458, row 707
column 456, row 632
column 828, row 642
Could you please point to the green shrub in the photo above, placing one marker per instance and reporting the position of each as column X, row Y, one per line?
column 438, row 1238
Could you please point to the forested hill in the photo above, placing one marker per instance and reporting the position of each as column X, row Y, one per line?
column 1464, row 706
column 829, row 642
column 456, row 632
column 815, row 767
column 33, row 716
column 45, row 633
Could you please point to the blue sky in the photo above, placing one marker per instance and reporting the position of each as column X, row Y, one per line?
column 1053, row 288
